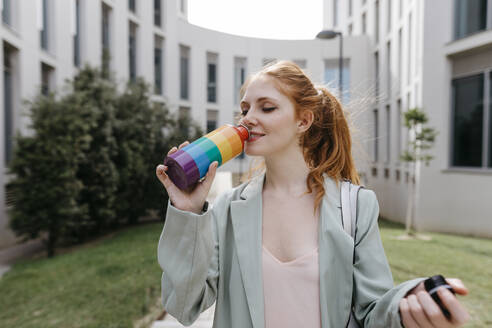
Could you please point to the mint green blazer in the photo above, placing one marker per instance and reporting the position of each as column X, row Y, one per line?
column 216, row 257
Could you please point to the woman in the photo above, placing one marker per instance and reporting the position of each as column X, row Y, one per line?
column 272, row 252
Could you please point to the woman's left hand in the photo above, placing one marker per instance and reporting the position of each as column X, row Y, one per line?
column 418, row 309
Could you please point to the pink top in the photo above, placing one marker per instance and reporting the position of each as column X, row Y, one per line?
column 291, row 291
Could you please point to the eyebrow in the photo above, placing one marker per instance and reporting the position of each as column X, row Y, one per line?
column 260, row 100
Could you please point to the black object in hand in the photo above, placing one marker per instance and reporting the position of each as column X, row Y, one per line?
column 431, row 284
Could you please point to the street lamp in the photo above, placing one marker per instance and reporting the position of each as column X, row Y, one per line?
column 331, row 34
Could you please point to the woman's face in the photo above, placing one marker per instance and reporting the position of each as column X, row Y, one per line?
column 270, row 116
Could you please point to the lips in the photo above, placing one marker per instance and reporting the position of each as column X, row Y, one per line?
column 255, row 136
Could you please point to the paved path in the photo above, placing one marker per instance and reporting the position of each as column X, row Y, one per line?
column 9, row 256
column 204, row 321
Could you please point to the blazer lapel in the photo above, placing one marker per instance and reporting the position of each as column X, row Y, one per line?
column 335, row 260
column 246, row 216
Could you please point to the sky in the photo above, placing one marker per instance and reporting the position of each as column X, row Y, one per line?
column 271, row 19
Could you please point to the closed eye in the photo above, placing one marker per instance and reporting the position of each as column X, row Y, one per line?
column 265, row 109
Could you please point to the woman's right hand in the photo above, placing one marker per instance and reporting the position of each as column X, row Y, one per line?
column 187, row 200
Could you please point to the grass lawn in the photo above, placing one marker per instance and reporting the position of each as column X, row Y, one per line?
column 116, row 280
column 467, row 258
column 107, row 283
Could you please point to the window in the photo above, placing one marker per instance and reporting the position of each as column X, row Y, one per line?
column 407, row 130
column 388, row 134
column 212, row 119
column 106, row 38
column 388, row 70
column 364, row 23
column 132, row 6
column 376, row 75
column 212, row 77
column 7, row 12
column 350, row 7
column 398, row 127
column 239, row 76
column 157, row 12
column 335, row 13
column 9, row 94
column 184, row 67
column 490, row 121
column 470, row 17
column 376, row 21
column 376, row 135
column 332, row 77
column 400, row 9
column 47, row 79
column 388, row 4
column 76, row 33
column 400, row 54
column 158, row 67
column 132, row 51
column 182, row 6
column 44, row 22
column 409, row 42
column 469, row 147
column 184, row 115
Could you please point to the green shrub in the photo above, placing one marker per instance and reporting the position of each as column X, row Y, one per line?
column 89, row 164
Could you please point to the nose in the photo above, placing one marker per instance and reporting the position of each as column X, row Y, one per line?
column 249, row 119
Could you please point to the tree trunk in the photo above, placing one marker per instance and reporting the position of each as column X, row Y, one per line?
column 51, row 244
column 408, row 220
column 418, row 163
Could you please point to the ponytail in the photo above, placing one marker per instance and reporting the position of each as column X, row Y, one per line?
column 327, row 145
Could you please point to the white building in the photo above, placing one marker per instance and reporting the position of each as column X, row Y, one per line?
column 436, row 55
column 430, row 54
column 193, row 69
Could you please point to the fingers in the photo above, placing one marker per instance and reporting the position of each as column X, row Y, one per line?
column 164, row 179
column 432, row 310
column 416, row 289
column 457, row 285
column 174, row 149
column 209, row 177
column 459, row 315
column 160, row 171
column 418, row 312
column 406, row 316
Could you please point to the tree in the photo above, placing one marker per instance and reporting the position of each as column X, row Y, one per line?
column 43, row 192
column 421, row 139
column 96, row 169
column 89, row 165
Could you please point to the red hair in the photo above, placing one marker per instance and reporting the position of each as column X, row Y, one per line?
column 327, row 144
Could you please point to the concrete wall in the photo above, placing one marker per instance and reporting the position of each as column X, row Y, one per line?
column 451, row 199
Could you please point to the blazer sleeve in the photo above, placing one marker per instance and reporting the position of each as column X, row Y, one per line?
column 188, row 253
column 376, row 300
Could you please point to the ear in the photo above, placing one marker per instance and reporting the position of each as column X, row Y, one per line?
column 305, row 120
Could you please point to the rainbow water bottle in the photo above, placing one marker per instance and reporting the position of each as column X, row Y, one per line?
column 189, row 164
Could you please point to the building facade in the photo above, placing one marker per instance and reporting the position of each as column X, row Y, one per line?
column 435, row 55
column 194, row 70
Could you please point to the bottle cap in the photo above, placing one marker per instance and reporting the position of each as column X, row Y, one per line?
column 243, row 131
